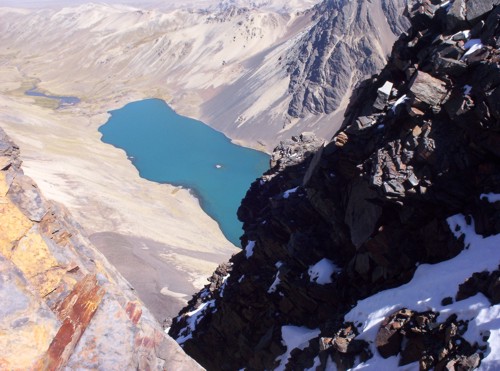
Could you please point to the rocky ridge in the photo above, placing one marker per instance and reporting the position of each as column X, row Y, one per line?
column 63, row 305
column 349, row 41
column 409, row 181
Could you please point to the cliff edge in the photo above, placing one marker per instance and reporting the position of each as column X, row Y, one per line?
column 380, row 249
column 63, row 305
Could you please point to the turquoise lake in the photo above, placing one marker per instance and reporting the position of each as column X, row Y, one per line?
column 63, row 101
column 168, row 148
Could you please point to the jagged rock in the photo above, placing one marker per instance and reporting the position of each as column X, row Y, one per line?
column 389, row 337
column 324, row 65
column 361, row 215
column 63, row 305
column 486, row 283
column 455, row 18
column 383, row 94
column 478, row 8
column 294, row 151
column 376, row 204
column 427, row 89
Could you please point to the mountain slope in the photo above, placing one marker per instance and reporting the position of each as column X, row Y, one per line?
column 63, row 304
column 238, row 68
column 380, row 249
column 217, row 63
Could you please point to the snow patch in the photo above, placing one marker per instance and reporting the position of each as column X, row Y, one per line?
column 321, row 272
column 275, row 284
column 401, row 100
column 277, row 280
column 425, row 292
column 249, row 249
column 195, row 317
column 223, row 286
column 289, row 192
column 295, row 337
column 491, row 197
column 471, row 46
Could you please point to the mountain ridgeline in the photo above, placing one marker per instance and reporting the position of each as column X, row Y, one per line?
column 410, row 182
column 350, row 41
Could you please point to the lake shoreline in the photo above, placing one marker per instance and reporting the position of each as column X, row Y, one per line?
column 170, row 148
column 63, row 152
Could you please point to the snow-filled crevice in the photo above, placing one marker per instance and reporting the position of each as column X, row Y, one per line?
column 430, row 284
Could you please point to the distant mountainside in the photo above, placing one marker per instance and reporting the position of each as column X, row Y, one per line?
column 380, row 249
column 349, row 41
column 248, row 69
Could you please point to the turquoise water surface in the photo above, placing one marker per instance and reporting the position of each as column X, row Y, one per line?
column 63, row 101
column 168, row 148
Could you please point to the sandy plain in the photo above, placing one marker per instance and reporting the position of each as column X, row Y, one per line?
column 156, row 234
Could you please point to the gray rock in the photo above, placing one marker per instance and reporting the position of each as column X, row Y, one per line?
column 361, row 215
column 26, row 195
column 323, row 62
column 428, row 89
column 477, row 8
column 383, row 94
column 455, row 18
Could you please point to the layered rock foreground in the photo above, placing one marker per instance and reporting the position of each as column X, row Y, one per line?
column 63, row 305
column 380, row 249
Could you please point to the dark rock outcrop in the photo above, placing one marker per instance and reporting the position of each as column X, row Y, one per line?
column 418, row 337
column 349, row 42
column 369, row 207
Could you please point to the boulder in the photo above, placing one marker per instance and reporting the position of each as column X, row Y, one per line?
column 428, row 89
column 476, row 9
column 383, row 94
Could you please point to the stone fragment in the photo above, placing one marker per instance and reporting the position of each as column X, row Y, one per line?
column 33, row 257
column 13, row 226
column 462, row 35
column 413, row 180
column 455, row 17
column 389, row 339
column 75, row 312
column 426, row 147
column 134, row 311
column 393, row 188
column 325, row 343
column 341, row 139
column 383, row 95
column 5, row 162
column 313, row 166
column 361, row 215
column 428, row 89
column 421, row 13
column 28, row 198
column 478, row 8
column 27, row 324
column 361, row 124
column 449, row 66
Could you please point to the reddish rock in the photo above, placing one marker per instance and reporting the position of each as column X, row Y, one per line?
column 134, row 311
column 76, row 312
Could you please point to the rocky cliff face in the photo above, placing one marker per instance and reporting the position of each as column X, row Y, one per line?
column 350, row 41
column 63, row 305
column 381, row 248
